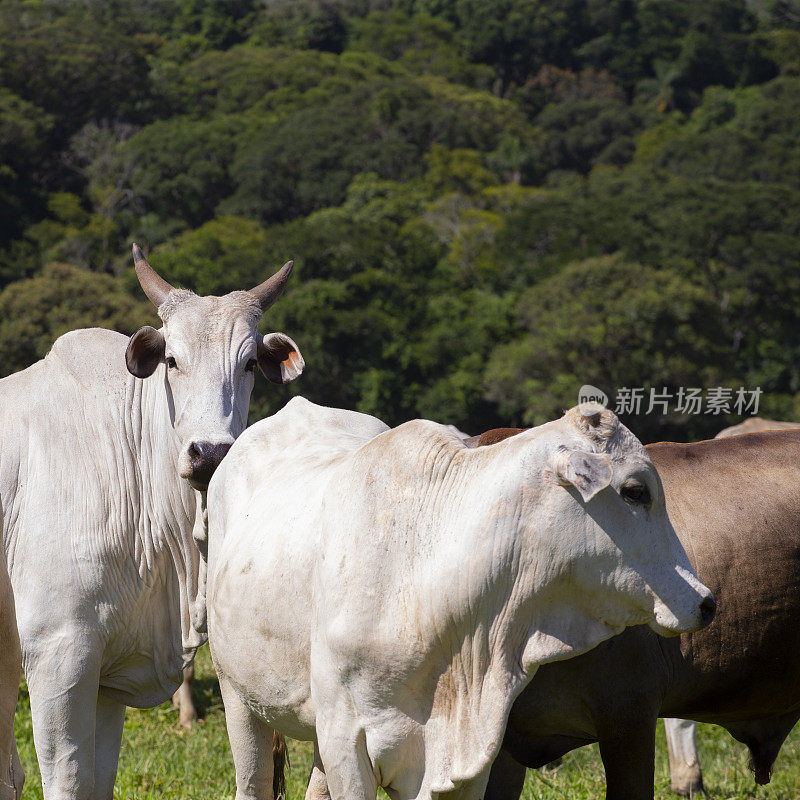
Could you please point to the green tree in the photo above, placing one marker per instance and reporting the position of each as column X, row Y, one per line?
column 36, row 311
column 517, row 37
column 306, row 159
column 310, row 24
column 24, row 133
column 221, row 256
column 611, row 323
column 420, row 42
column 63, row 59
column 172, row 174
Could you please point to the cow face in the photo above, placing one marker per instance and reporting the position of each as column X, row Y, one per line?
column 613, row 496
column 208, row 349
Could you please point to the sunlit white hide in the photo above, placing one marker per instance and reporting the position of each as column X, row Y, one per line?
column 388, row 593
column 106, row 442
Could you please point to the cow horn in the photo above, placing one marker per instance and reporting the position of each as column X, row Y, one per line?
column 154, row 286
column 272, row 288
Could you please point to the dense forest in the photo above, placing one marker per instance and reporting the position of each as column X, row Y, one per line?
column 489, row 202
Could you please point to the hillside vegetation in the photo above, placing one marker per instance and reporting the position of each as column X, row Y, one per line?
column 489, row 202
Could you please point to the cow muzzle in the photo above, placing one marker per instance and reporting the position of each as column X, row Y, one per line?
column 667, row 624
column 200, row 460
column 708, row 608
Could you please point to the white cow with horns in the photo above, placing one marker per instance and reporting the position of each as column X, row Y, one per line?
column 388, row 593
column 100, row 477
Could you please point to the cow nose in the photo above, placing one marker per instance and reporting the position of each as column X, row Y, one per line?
column 204, row 458
column 707, row 610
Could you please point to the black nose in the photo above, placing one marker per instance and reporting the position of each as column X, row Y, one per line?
column 707, row 610
column 205, row 457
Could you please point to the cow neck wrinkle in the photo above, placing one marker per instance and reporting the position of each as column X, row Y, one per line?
column 474, row 687
column 155, row 446
column 167, row 523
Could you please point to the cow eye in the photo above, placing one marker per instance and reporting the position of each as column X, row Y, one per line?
column 637, row 494
column 171, row 363
column 250, row 365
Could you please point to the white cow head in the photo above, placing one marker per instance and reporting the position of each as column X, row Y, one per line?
column 210, row 347
column 617, row 500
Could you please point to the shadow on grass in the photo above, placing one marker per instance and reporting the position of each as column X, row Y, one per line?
column 207, row 696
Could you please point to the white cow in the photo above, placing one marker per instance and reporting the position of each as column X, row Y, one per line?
column 388, row 593
column 98, row 472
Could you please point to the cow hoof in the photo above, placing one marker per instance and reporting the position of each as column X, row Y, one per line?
column 187, row 720
column 689, row 782
column 691, row 790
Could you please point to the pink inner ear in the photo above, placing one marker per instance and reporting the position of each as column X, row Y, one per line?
column 290, row 360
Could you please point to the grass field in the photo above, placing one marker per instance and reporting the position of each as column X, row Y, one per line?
column 159, row 760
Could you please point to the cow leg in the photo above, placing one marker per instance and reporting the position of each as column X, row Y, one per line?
column 686, row 777
column 63, row 686
column 17, row 772
column 12, row 776
column 506, row 778
column 352, row 777
column 342, row 747
column 628, row 753
column 251, row 746
column 110, row 718
column 183, row 699
column 317, row 788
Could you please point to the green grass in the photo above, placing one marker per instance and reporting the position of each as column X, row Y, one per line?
column 160, row 760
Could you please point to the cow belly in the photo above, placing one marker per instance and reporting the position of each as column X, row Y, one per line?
column 273, row 686
column 145, row 655
column 539, row 751
column 141, row 683
column 258, row 631
column 730, row 702
column 108, row 616
column 143, row 659
column 746, row 666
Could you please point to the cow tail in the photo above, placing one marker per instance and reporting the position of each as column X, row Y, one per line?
column 280, row 760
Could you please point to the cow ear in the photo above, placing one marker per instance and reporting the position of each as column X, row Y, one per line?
column 589, row 473
column 145, row 352
column 279, row 358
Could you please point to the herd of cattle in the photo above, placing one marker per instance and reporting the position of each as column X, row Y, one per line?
column 435, row 613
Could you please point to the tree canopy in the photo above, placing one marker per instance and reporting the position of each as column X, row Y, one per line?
column 489, row 204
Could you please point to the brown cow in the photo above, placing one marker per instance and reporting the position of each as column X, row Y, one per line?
column 735, row 503
column 686, row 775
